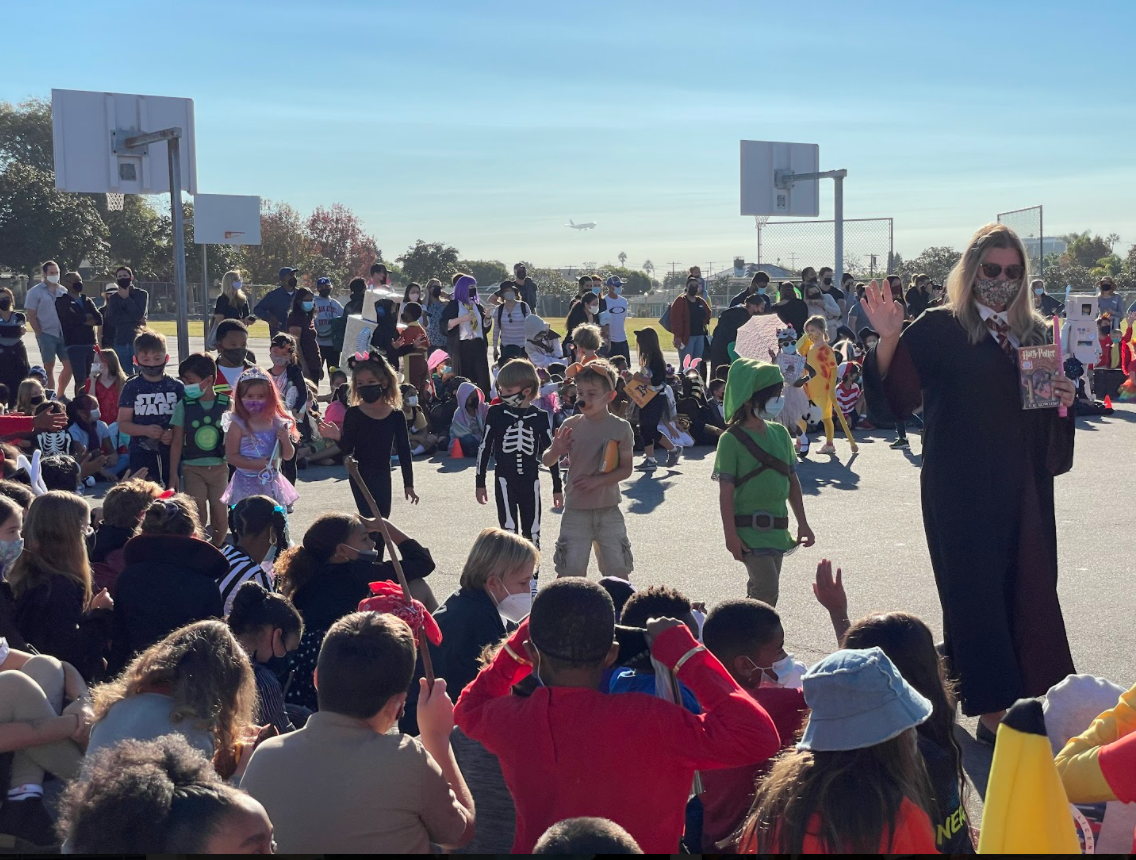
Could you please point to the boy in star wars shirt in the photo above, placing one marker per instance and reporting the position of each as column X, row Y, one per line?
column 516, row 436
column 146, row 406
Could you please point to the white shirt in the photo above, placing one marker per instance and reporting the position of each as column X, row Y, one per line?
column 988, row 313
column 41, row 299
column 617, row 319
column 327, row 312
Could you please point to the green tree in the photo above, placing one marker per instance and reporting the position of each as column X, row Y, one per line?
column 1061, row 272
column 283, row 242
column 37, row 222
column 25, row 134
column 622, row 259
column 935, row 262
column 138, row 237
column 634, row 283
column 487, row 272
column 648, row 267
column 425, row 260
column 551, row 282
column 1085, row 249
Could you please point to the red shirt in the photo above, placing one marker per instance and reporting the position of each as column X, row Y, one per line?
column 912, row 835
column 567, row 752
column 107, row 396
column 728, row 793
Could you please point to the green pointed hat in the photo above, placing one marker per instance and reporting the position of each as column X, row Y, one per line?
column 746, row 376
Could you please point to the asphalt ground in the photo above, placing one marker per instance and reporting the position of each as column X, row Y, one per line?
column 865, row 511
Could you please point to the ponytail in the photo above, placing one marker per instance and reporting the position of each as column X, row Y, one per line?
column 254, row 607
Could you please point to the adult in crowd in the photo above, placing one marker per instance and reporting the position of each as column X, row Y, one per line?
column 78, row 317
column 617, row 319
column 690, row 323
column 277, row 304
column 1109, row 301
column 829, row 288
column 467, row 323
column 232, row 303
column 433, row 308
column 856, row 319
column 169, row 800
column 988, row 469
column 327, row 314
column 509, row 318
column 39, row 304
column 757, row 286
column 302, row 327
column 1043, row 302
column 126, row 310
column 380, row 277
column 105, row 333
column 13, row 355
column 526, row 286
column 790, row 308
column 726, row 332
column 169, row 578
column 918, row 297
column 585, row 311
column 823, row 305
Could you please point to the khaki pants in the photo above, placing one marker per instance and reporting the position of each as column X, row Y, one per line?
column 206, row 484
column 601, row 528
column 35, row 692
column 764, row 575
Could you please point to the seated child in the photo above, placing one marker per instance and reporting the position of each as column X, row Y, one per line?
column 422, row 441
column 569, row 750
column 468, row 424
column 817, row 799
column 338, row 377
column 586, row 836
column 588, row 340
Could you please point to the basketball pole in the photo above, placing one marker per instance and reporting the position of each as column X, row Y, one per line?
column 205, row 289
column 786, row 178
column 172, row 138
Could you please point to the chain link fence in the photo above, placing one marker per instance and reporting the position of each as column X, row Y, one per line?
column 784, row 248
column 1028, row 224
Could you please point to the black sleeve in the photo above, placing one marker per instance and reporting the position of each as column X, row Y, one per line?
column 450, row 313
column 488, row 443
column 296, row 377
column 350, row 431
column 417, row 563
column 218, row 307
column 91, row 310
column 402, row 442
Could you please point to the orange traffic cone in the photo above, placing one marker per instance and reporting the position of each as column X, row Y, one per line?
column 456, row 449
column 1108, row 401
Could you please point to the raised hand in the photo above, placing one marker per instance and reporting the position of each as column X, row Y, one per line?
column 829, row 590
column 884, row 313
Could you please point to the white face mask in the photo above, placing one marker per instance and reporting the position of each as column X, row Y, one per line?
column 788, row 671
column 412, row 401
column 515, row 607
column 53, row 279
column 96, row 414
column 772, row 407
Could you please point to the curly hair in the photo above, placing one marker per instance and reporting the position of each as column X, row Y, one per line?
column 209, row 678
column 176, row 515
column 152, row 797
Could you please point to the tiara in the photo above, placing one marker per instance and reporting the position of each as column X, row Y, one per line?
column 253, row 373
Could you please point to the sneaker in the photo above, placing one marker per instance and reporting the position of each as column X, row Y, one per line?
column 828, row 448
column 865, row 425
column 901, row 443
column 673, row 456
column 26, row 827
column 648, row 465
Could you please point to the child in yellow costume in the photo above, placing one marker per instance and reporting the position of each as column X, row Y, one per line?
column 821, row 387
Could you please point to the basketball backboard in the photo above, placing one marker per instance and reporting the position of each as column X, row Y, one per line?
column 88, row 133
column 760, row 162
column 226, row 219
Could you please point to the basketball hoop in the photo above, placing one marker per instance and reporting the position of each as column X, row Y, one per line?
column 115, row 201
column 760, row 221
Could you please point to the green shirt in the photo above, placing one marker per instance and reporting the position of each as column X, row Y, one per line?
column 768, row 492
column 178, row 420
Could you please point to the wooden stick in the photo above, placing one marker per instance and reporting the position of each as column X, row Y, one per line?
column 423, row 649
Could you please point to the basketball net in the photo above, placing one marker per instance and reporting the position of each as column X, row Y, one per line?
column 115, row 201
column 760, row 221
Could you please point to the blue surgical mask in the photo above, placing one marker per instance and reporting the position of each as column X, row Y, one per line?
column 193, row 391
column 619, row 291
column 307, row 306
column 10, row 551
column 596, row 290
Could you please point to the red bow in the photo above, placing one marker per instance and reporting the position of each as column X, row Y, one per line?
column 390, row 599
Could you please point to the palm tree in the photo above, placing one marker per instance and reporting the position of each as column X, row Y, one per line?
column 623, row 255
column 1111, row 239
column 648, row 267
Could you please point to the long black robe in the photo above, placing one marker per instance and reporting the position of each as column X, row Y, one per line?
column 987, row 492
column 725, row 333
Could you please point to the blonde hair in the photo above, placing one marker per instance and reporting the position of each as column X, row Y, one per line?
column 234, row 296
column 210, row 681
column 110, row 358
column 1026, row 324
column 53, row 544
column 25, row 393
column 587, row 336
column 496, row 552
column 379, row 366
column 519, row 372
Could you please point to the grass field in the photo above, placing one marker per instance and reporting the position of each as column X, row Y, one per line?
column 260, row 329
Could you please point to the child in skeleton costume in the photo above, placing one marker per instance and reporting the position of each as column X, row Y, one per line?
column 516, row 436
column 795, row 371
column 52, row 442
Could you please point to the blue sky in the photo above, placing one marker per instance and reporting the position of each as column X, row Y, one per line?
column 489, row 125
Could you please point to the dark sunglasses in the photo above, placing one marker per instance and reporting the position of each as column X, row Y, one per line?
column 993, row 270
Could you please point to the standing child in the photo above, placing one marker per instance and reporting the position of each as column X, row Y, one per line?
column 259, row 435
column 654, row 367
column 372, row 427
column 414, row 335
column 848, row 392
column 199, row 443
column 516, row 436
column 599, row 446
column 146, row 406
column 756, row 472
column 587, row 339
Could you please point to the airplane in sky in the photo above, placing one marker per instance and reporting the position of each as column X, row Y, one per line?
column 591, row 225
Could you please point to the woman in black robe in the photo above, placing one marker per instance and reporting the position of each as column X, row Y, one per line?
column 988, row 469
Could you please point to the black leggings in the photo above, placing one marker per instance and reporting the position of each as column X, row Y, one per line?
column 649, row 418
column 518, row 506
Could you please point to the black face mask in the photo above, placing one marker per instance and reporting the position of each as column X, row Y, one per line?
column 37, row 399
column 234, row 356
column 124, row 282
column 152, row 371
column 522, row 274
column 5, row 304
column 828, row 282
column 78, row 288
column 278, row 666
column 371, row 393
column 473, row 298
column 325, row 292
column 292, row 282
column 436, row 292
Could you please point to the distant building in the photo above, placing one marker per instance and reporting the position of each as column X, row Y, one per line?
column 1036, row 248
